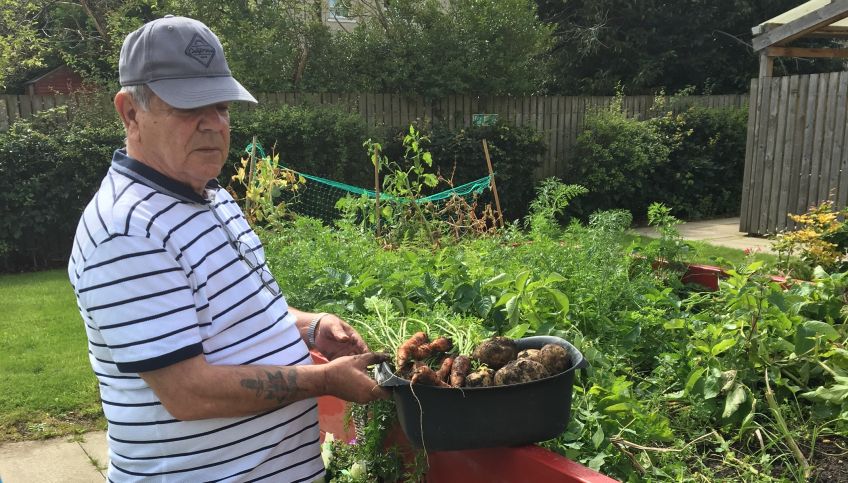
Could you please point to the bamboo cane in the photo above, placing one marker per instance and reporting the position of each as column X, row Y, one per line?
column 492, row 182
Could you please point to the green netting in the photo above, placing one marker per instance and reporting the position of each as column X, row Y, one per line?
column 319, row 196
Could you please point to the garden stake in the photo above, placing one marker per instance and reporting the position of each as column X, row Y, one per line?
column 375, row 159
column 494, row 187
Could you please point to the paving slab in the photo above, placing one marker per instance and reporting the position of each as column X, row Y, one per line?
column 59, row 460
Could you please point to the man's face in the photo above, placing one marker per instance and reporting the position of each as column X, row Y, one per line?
column 188, row 145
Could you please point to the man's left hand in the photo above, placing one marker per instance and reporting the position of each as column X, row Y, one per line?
column 335, row 338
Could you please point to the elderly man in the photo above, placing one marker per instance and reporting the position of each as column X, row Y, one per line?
column 204, row 369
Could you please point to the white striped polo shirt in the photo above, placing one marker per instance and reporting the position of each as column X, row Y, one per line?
column 157, row 281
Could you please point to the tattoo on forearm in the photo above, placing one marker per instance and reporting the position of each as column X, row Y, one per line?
column 275, row 386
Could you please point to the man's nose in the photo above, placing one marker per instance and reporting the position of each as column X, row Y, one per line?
column 213, row 118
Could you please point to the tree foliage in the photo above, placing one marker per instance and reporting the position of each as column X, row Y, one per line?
column 648, row 44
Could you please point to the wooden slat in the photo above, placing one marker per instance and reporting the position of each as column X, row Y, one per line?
column 778, row 163
column 745, row 224
column 826, row 185
column 839, row 147
column 760, row 136
column 789, row 163
column 807, row 150
column 797, row 149
column 818, row 134
column 768, row 160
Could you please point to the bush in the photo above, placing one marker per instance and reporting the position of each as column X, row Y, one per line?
column 703, row 176
column 617, row 159
column 322, row 141
column 49, row 169
column 692, row 162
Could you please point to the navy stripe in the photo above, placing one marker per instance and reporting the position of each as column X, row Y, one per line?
column 132, row 209
column 233, row 284
column 194, row 240
column 97, row 210
column 204, row 257
column 124, row 257
column 153, row 218
column 295, row 465
column 131, row 405
column 124, row 190
column 133, row 277
column 244, row 339
column 166, row 360
column 231, row 307
column 140, row 297
column 122, row 366
column 216, row 430
column 110, row 376
column 87, row 232
column 180, row 225
column 149, row 317
column 284, row 453
column 147, row 423
column 276, row 350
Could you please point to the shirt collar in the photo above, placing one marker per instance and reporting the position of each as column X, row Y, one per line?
column 144, row 174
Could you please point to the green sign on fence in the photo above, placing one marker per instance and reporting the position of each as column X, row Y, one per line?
column 484, row 119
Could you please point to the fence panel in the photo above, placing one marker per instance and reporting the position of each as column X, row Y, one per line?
column 796, row 155
column 560, row 119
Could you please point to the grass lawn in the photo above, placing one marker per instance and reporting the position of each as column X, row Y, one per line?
column 47, row 387
column 707, row 254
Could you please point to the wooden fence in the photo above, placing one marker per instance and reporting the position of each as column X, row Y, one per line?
column 796, row 155
column 560, row 119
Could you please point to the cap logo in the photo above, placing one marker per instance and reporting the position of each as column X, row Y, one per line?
column 200, row 50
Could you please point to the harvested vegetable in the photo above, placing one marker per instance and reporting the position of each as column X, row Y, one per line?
column 483, row 377
column 519, row 371
column 441, row 344
column 426, row 376
column 408, row 351
column 461, row 366
column 496, row 352
column 532, row 354
column 555, row 358
column 445, row 370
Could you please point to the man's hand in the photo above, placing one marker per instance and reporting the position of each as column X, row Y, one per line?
column 347, row 378
column 335, row 338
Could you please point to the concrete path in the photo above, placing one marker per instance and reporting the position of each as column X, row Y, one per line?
column 84, row 459
column 81, row 459
column 722, row 232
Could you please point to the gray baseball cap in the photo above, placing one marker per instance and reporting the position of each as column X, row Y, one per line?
column 182, row 61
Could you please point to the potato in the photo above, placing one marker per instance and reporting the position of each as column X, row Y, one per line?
column 555, row 358
column 495, row 352
column 532, row 354
column 483, row 377
column 518, row 371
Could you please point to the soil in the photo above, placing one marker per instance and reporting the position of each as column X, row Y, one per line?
column 830, row 460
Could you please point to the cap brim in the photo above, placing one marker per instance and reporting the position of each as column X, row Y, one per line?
column 200, row 91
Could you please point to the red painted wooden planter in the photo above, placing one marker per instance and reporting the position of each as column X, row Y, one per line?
column 708, row 276
column 530, row 464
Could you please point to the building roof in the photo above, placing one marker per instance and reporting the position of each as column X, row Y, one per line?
column 816, row 18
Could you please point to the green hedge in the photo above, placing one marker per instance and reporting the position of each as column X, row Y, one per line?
column 691, row 162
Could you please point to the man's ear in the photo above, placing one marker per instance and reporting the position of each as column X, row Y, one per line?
column 127, row 110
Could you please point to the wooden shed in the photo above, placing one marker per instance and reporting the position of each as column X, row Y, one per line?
column 61, row 80
column 797, row 146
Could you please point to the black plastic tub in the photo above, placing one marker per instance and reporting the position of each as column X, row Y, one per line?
column 447, row 419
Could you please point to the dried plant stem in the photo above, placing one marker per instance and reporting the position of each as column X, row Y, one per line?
column 784, row 430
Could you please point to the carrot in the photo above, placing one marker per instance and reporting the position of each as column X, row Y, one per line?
column 461, row 366
column 445, row 370
column 409, row 349
column 441, row 344
column 428, row 377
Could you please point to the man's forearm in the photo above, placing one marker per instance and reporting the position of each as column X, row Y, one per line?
column 194, row 389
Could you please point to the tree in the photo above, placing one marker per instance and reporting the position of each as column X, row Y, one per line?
column 648, row 44
column 22, row 49
column 432, row 49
